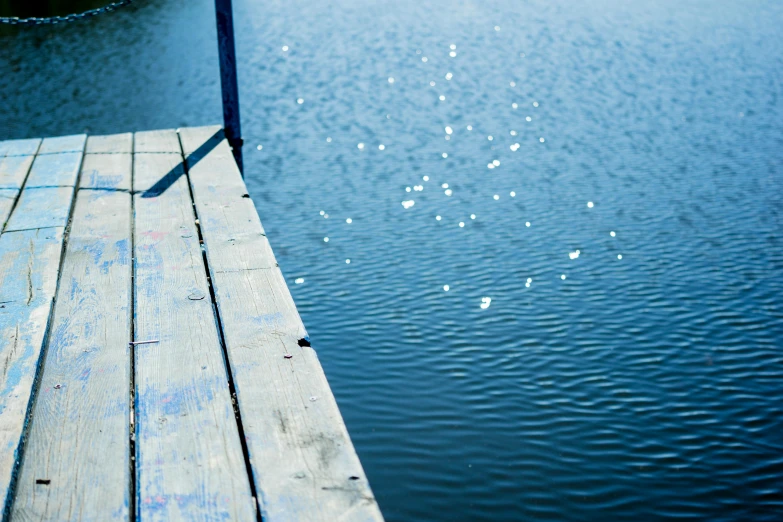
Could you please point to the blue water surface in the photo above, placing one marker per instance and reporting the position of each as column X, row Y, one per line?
column 596, row 183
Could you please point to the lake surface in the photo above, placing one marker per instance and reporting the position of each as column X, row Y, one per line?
column 609, row 347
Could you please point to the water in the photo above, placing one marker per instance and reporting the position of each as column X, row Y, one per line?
column 643, row 387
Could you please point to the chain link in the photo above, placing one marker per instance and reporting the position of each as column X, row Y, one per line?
column 12, row 20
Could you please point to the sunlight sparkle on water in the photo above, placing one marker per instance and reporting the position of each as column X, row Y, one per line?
column 527, row 223
column 496, row 197
column 461, row 224
column 408, row 203
column 470, row 127
column 260, row 147
column 612, row 233
column 438, row 218
column 574, row 255
column 299, row 280
column 300, row 101
column 360, row 146
column 449, row 130
column 589, row 204
column 485, row 301
column 512, row 194
column 473, row 216
column 349, row 221
column 445, row 155
column 425, row 178
column 514, row 105
column 619, row 256
column 442, row 98
column 445, row 288
column 448, row 192
column 326, row 240
column 381, row 147
column 285, row 48
column 391, row 80
column 445, row 185
column 449, row 76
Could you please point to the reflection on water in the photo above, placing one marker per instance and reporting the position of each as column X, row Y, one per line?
column 590, row 326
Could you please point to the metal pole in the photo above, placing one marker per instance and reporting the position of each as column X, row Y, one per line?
column 228, row 77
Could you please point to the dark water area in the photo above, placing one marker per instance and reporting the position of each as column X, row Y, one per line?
column 46, row 8
column 620, row 357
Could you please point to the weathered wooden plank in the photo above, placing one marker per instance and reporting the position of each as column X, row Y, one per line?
column 47, row 195
column 29, row 263
column 26, row 147
column 107, row 163
column 189, row 464
column 156, row 141
column 7, row 198
column 41, row 208
column 78, row 438
column 61, row 144
column 54, row 170
column 106, row 171
column 29, row 266
column 13, row 171
column 304, row 464
column 111, row 144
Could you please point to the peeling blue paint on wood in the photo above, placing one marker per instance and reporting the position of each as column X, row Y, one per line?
column 194, row 457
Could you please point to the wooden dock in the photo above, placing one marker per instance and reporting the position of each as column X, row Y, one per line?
column 154, row 365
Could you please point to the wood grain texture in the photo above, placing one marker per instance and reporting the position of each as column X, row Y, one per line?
column 164, row 141
column 29, row 266
column 7, row 198
column 304, row 464
column 111, row 144
column 106, row 171
column 41, row 208
column 26, row 147
column 29, row 263
column 190, row 464
column 78, row 436
column 13, row 171
column 54, row 170
column 61, row 144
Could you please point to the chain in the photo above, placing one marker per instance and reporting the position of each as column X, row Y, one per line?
column 12, row 20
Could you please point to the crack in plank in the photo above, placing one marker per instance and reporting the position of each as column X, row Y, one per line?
column 30, row 273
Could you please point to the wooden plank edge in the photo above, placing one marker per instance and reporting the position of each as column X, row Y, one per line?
column 7, row 496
